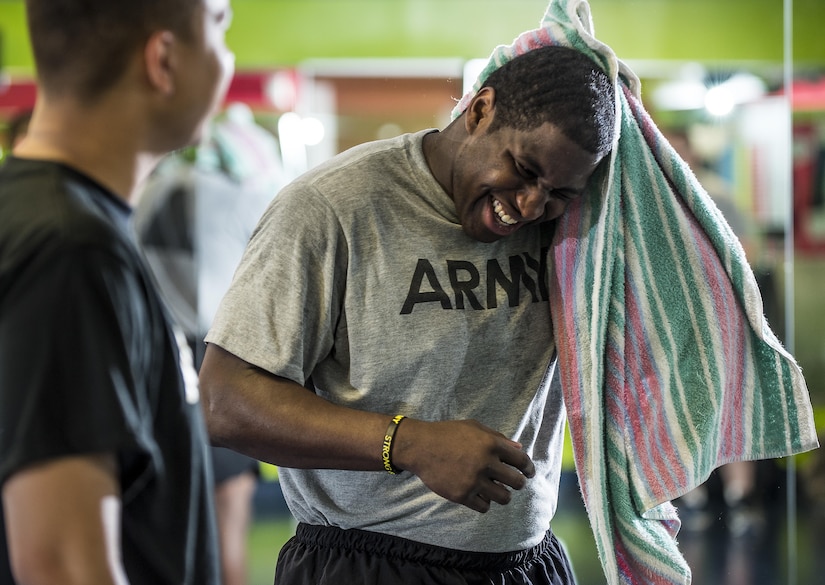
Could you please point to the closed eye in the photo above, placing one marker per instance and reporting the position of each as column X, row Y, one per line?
column 527, row 174
column 565, row 195
column 524, row 171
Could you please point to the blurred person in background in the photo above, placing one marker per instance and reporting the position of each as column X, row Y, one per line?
column 194, row 218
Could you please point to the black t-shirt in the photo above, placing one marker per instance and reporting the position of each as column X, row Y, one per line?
column 89, row 364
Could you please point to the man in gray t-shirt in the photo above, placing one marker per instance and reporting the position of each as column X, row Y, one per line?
column 387, row 339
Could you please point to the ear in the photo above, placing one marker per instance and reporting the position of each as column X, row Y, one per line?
column 159, row 58
column 481, row 110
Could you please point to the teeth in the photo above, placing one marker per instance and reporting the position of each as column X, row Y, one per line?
column 502, row 215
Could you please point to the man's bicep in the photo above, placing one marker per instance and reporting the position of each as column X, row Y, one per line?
column 228, row 383
column 254, row 411
column 63, row 520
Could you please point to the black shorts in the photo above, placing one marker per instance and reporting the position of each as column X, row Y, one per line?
column 227, row 464
column 321, row 555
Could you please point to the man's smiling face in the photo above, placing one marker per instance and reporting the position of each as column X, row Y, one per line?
column 505, row 179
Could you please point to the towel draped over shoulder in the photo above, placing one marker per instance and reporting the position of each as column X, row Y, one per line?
column 668, row 366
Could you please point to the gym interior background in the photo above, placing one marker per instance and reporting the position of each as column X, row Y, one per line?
column 742, row 81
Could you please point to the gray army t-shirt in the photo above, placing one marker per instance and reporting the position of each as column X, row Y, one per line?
column 360, row 276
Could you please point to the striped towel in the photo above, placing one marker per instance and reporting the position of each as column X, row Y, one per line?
column 667, row 365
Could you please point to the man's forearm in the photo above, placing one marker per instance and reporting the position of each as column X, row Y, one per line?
column 279, row 421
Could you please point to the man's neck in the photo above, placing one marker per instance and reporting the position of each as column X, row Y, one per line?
column 101, row 144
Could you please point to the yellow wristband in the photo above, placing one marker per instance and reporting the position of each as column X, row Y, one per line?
column 386, row 450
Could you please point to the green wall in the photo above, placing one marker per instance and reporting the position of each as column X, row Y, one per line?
column 268, row 33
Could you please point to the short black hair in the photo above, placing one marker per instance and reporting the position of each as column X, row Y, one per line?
column 84, row 45
column 559, row 85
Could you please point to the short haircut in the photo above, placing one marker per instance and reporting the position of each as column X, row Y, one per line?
column 558, row 85
column 83, row 46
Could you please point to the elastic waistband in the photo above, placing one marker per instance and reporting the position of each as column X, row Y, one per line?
column 395, row 547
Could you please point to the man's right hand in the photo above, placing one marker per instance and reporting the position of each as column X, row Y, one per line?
column 462, row 461
column 276, row 420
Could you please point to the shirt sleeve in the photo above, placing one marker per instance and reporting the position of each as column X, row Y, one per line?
column 285, row 302
column 70, row 334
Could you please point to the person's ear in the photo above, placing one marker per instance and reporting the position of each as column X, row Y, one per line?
column 481, row 110
column 160, row 59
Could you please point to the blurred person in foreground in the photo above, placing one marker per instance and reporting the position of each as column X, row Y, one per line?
column 103, row 464
column 406, row 277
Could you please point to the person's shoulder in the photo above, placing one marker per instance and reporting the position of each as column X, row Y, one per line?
column 381, row 147
column 349, row 183
column 47, row 204
column 360, row 169
column 364, row 156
